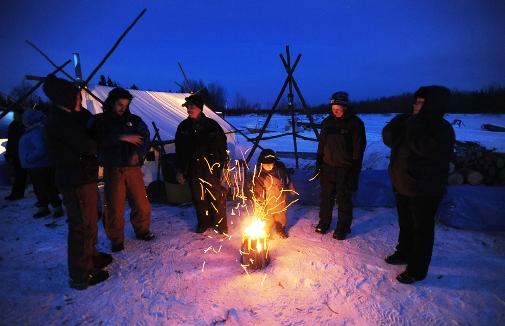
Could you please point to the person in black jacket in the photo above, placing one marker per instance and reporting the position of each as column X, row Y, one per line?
column 422, row 144
column 123, row 141
column 73, row 152
column 14, row 133
column 339, row 159
column 201, row 156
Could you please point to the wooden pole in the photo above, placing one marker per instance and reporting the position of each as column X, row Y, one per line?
column 80, row 83
column 48, row 59
column 262, row 131
column 291, row 105
column 114, row 47
column 186, row 81
column 34, row 88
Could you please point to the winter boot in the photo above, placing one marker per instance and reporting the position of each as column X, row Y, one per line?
column 148, row 236
column 396, row 259
column 101, row 260
column 95, row 277
column 322, row 228
column 116, row 247
column 280, row 230
column 13, row 197
column 201, row 228
column 98, row 277
column 41, row 212
column 58, row 211
column 406, row 278
column 340, row 234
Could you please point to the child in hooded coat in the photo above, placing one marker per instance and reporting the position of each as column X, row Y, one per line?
column 269, row 187
column 34, row 157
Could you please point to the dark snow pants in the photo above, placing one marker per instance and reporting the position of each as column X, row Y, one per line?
column 44, row 187
column 209, row 200
column 80, row 203
column 336, row 186
column 121, row 184
column 416, row 218
column 19, row 182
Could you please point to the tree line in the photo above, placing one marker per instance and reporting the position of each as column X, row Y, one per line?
column 487, row 100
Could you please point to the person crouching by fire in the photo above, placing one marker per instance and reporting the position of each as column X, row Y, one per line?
column 201, row 157
column 73, row 152
column 270, row 186
column 123, row 141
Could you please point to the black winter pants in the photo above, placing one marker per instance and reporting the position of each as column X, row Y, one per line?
column 335, row 186
column 416, row 218
column 20, row 176
column 44, row 187
column 209, row 200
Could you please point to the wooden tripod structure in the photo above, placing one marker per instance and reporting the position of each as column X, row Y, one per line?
column 289, row 83
column 81, row 83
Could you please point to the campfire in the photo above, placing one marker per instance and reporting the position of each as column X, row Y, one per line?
column 254, row 250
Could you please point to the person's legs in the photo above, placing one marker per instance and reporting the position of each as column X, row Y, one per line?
column 328, row 193
column 19, row 182
column 201, row 204
column 115, row 196
column 216, row 199
column 345, row 207
column 80, row 203
column 52, row 191
column 140, row 215
column 423, row 228
column 405, row 223
column 39, row 182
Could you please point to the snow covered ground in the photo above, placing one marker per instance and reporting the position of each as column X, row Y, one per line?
column 311, row 280
column 186, row 278
column 376, row 154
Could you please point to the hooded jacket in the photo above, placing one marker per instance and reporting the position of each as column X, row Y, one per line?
column 342, row 141
column 32, row 145
column 107, row 127
column 421, row 147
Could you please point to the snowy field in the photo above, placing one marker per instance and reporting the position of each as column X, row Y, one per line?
column 376, row 154
column 183, row 278
column 311, row 280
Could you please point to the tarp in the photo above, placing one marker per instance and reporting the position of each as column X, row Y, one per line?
column 163, row 108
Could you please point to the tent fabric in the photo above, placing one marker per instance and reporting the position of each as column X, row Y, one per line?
column 165, row 109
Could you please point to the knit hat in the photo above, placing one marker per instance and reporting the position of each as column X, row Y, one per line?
column 340, row 98
column 61, row 91
column 195, row 100
column 267, row 156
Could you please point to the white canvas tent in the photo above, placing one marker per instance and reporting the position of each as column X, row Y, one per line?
column 165, row 109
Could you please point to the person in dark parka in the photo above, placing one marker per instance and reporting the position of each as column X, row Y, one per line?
column 422, row 144
column 73, row 152
column 34, row 157
column 123, row 141
column 14, row 132
column 339, row 159
column 201, row 156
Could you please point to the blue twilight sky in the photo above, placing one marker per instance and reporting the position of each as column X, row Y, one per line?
column 369, row 48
